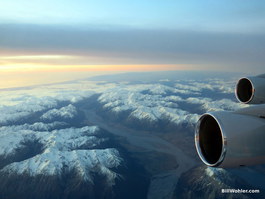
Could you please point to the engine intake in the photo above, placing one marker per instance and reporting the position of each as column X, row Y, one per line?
column 209, row 140
column 244, row 90
column 231, row 139
column 251, row 90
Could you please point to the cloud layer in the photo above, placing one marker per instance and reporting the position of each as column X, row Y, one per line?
column 135, row 46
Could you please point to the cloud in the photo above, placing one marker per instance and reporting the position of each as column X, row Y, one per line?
column 120, row 45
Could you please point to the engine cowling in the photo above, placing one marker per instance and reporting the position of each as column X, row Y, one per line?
column 226, row 139
column 251, row 90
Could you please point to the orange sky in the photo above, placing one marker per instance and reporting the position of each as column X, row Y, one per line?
column 16, row 76
column 64, row 63
column 21, row 70
column 93, row 68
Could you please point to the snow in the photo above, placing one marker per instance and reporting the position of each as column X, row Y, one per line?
column 209, row 171
column 216, row 105
column 70, row 149
column 38, row 126
column 153, row 102
column 218, row 174
column 67, row 112
column 11, row 141
column 53, row 162
column 148, row 107
column 29, row 106
column 77, row 149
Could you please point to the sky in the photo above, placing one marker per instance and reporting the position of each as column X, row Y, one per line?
column 83, row 37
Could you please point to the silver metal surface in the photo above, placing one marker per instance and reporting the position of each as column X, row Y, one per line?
column 243, row 139
column 242, row 132
column 197, row 142
column 257, row 90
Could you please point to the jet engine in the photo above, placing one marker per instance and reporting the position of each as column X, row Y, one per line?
column 251, row 90
column 232, row 139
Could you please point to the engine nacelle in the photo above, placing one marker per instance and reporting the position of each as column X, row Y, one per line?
column 251, row 90
column 231, row 139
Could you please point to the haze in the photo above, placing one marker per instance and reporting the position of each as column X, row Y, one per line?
column 60, row 40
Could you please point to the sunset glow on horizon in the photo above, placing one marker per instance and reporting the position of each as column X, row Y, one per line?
column 85, row 37
column 60, row 63
column 29, row 70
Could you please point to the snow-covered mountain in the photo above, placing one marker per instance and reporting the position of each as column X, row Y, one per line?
column 65, row 148
column 112, row 139
column 205, row 182
column 157, row 105
column 67, row 112
column 32, row 153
